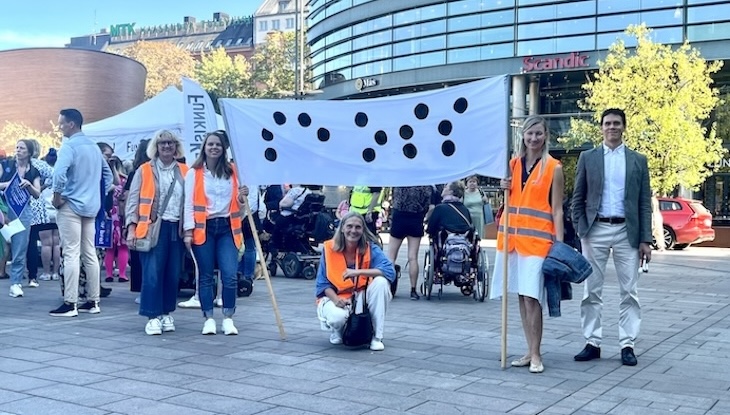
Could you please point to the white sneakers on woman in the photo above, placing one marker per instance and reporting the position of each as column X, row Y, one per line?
column 227, row 326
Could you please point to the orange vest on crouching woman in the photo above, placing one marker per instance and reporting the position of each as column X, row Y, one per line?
column 200, row 209
column 147, row 196
column 336, row 265
column 531, row 228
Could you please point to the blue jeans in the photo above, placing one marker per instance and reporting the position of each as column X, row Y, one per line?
column 19, row 246
column 219, row 249
column 248, row 262
column 161, row 272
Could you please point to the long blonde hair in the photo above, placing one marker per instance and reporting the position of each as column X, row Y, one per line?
column 530, row 122
column 362, row 244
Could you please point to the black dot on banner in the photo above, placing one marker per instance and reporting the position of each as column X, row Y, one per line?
column 361, row 119
column 445, row 127
column 448, row 148
column 406, row 132
column 461, row 105
column 323, row 134
column 410, row 151
column 270, row 154
column 368, row 155
column 381, row 137
column 421, row 111
column 279, row 118
column 267, row 135
column 305, row 120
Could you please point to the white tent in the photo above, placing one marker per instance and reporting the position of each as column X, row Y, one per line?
column 124, row 131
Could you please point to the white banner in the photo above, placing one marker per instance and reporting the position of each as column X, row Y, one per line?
column 405, row 140
column 200, row 118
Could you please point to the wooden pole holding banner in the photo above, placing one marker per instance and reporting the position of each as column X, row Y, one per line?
column 264, row 268
column 505, row 268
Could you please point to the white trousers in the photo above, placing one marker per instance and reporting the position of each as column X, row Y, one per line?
column 378, row 296
column 603, row 239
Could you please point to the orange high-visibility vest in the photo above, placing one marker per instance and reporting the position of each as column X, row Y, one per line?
column 200, row 209
column 147, row 196
column 336, row 265
column 531, row 228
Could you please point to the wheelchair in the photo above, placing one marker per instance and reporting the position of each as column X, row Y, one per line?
column 301, row 232
column 473, row 277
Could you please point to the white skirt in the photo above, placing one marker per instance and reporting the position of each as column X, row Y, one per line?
column 525, row 276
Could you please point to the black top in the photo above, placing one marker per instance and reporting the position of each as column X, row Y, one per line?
column 445, row 217
column 273, row 196
column 9, row 169
column 526, row 172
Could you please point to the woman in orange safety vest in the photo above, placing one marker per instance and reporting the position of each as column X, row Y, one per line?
column 351, row 254
column 535, row 221
column 213, row 226
column 156, row 183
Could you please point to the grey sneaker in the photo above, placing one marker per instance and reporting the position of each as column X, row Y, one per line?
column 168, row 323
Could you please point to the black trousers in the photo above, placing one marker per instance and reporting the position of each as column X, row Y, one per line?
column 32, row 255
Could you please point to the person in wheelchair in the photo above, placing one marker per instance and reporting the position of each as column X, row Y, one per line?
column 451, row 219
column 288, row 206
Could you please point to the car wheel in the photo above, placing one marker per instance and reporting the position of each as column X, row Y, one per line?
column 669, row 238
column 680, row 247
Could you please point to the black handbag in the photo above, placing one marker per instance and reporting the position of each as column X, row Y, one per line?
column 358, row 329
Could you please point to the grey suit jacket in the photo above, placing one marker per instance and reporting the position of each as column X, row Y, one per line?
column 589, row 180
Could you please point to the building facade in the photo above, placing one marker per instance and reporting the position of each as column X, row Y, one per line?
column 96, row 83
column 234, row 34
column 370, row 48
column 275, row 16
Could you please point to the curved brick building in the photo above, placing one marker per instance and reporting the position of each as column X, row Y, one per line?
column 36, row 83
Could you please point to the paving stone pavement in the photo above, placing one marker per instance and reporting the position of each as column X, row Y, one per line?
column 441, row 356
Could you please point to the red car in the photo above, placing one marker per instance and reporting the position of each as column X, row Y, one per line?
column 686, row 222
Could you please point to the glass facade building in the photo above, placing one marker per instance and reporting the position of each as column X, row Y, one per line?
column 370, row 48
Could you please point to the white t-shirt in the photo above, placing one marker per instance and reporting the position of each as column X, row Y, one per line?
column 297, row 194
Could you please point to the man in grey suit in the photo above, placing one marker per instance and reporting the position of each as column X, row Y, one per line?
column 612, row 213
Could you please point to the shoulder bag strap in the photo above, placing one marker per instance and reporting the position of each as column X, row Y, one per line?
column 168, row 195
column 468, row 222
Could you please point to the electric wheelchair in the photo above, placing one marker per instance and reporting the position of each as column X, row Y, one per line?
column 300, row 233
column 456, row 259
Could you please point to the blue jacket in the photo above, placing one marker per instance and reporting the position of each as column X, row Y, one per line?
column 377, row 260
column 563, row 265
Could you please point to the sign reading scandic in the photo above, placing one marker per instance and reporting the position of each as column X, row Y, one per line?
column 537, row 64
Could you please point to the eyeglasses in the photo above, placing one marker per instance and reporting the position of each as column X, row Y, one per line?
column 167, row 143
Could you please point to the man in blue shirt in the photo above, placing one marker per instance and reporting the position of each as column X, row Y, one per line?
column 76, row 196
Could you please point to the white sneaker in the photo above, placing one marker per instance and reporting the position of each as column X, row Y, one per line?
column 219, row 302
column 16, row 291
column 33, row 284
column 335, row 337
column 153, row 327
column 376, row 345
column 193, row 302
column 209, row 326
column 55, row 277
column 228, row 328
column 168, row 323
column 137, row 300
column 44, row 277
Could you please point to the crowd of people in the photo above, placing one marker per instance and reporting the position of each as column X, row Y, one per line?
column 161, row 211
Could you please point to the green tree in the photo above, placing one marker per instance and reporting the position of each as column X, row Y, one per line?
column 11, row 132
column 225, row 77
column 165, row 62
column 273, row 65
column 667, row 96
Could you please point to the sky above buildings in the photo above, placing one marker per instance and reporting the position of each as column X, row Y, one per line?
column 31, row 23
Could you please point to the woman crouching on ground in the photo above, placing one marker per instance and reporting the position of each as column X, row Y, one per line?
column 353, row 253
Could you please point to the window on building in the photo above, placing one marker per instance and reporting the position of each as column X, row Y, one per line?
column 275, row 24
column 239, row 41
column 228, row 42
column 290, row 23
column 263, row 26
column 712, row 31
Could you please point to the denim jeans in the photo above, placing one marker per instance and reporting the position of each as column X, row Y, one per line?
column 248, row 261
column 219, row 249
column 19, row 246
column 161, row 272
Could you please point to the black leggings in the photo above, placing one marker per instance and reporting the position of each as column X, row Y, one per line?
column 32, row 255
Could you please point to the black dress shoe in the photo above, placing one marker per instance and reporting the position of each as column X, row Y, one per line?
column 628, row 357
column 589, row 352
